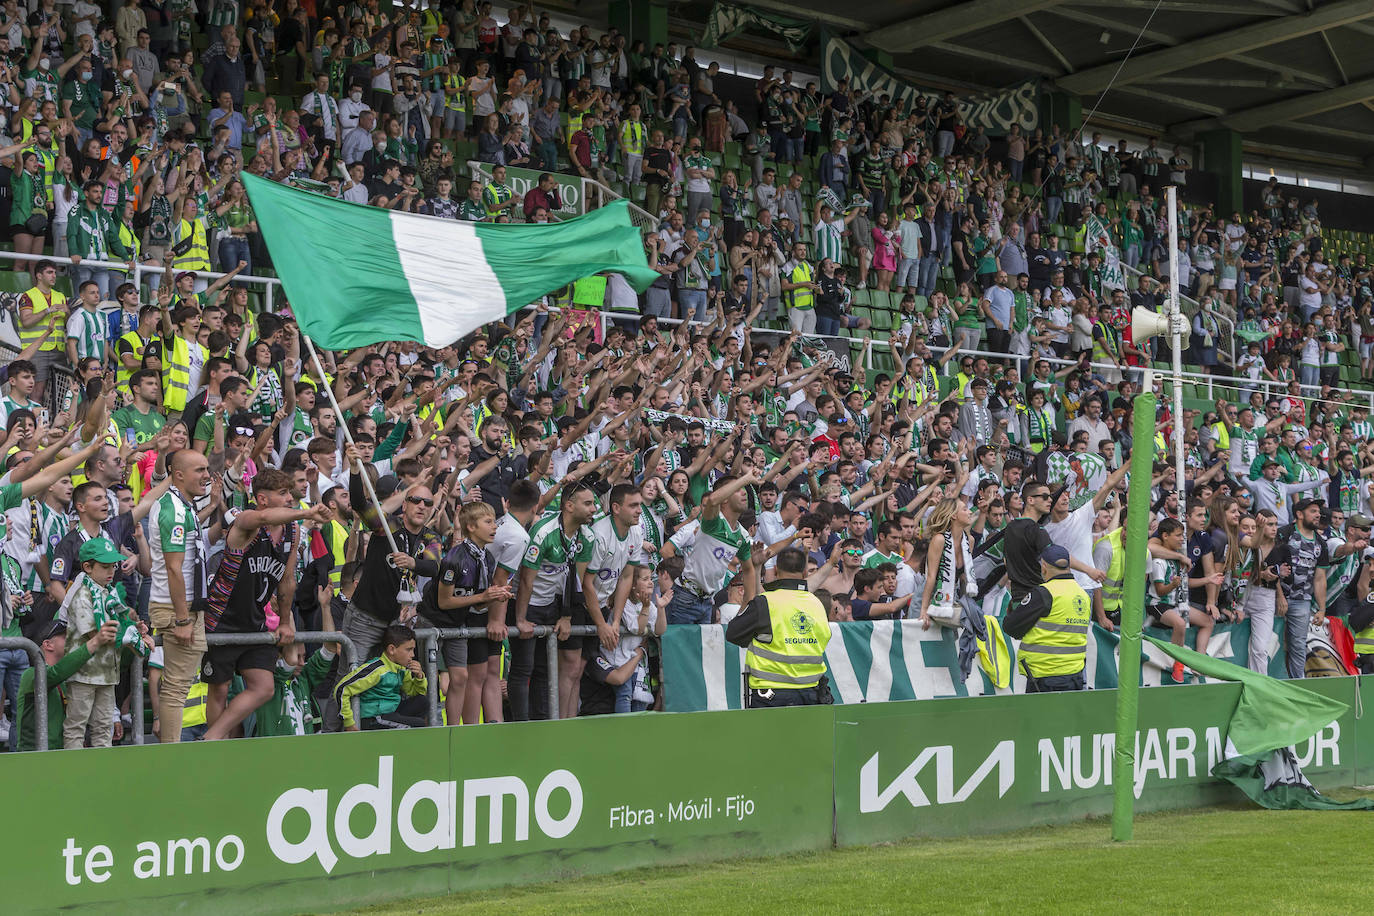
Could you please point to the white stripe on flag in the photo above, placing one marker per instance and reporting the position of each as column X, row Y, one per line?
column 842, row 680
column 713, row 665
column 880, row 671
column 454, row 288
column 927, row 681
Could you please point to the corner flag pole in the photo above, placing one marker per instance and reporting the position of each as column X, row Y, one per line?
column 1133, row 608
column 362, row 472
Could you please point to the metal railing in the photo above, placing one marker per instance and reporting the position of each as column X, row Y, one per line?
column 349, row 658
column 269, row 284
column 40, row 691
column 429, row 638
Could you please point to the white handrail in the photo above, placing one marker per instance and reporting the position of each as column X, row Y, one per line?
column 269, row 283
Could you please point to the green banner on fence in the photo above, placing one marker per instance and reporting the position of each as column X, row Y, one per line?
column 521, row 180
column 309, row 824
column 881, row 661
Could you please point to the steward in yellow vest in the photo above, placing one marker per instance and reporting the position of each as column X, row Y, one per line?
column 1362, row 625
column 785, row 632
column 1116, row 571
column 45, row 309
column 1052, row 623
column 190, row 247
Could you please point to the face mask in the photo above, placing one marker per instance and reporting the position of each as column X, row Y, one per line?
column 86, row 77
column 356, row 96
column 127, row 74
column 379, row 146
column 44, row 64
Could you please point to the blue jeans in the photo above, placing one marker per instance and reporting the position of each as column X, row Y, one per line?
column 692, row 304
column 101, row 275
column 930, row 270
column 944, row 143
column 688, row 607
column 624, row 696
column 1052, row 207
column 1310, row 375
column 232, row 249
column 12, row 665
column 908, row 273
column 1295, row 636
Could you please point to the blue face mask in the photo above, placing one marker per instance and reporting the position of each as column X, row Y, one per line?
column 86, row 77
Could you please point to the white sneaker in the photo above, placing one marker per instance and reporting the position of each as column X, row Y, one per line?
column 862, row 286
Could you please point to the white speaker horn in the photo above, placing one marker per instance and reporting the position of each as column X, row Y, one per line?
column 1147, row 323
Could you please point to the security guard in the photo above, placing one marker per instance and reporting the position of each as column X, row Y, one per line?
column 1110, row 550
column 1362, row 625
column 785, row 631
column 1052, row 624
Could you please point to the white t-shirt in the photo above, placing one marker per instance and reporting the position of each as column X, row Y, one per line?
column 1075, row 534
column 773, row 531
column 609, row 555
column 508, row 547
column 628, row 644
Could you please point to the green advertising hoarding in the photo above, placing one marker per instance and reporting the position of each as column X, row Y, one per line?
column 954, row 767
column 289, row 825
column 308, row 824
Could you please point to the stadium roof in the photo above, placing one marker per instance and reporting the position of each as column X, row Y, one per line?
column 1290, row 75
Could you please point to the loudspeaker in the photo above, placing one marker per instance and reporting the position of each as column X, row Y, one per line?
column 1147, row 323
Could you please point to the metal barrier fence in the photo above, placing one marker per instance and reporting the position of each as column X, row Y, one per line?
column 429, row 639
column 40, row 690
column 350, row 659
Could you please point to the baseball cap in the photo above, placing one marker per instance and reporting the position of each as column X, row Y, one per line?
column 1359, row 521
column 1306, row 503
column 184, row 274
column 54, row 627
column 1055, row 556
column 101, row 550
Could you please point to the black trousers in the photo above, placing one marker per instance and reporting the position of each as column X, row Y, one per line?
column 1055, row 683
column 527, row 682
column 778, row 696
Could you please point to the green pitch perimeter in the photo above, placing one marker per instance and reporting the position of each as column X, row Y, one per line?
column 1231, row 859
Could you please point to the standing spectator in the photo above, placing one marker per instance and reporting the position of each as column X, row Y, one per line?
column 180, row 553
column 1304, row 550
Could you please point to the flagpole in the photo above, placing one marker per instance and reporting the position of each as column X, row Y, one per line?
column 1176, row 339
column 362, row 472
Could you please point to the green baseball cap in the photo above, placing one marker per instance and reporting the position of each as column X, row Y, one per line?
column 101, row 550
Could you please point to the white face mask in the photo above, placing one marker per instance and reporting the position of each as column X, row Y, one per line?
column 127, row 74
column 44, row 64
column 380, row 146
column 356, row 96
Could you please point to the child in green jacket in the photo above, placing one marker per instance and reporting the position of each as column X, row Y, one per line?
column 382, row 682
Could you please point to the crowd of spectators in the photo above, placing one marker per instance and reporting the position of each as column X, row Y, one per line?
column 609, row 464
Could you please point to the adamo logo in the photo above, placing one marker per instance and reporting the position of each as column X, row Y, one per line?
column 292, row 846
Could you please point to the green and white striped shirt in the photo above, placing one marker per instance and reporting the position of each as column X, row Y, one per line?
column 87, row 328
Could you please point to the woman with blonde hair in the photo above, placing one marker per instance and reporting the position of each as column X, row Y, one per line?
column 1264, row 591
column 948, row 555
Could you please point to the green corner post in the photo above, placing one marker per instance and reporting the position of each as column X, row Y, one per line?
column 1133, row 609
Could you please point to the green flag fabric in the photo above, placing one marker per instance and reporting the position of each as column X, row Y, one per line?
column 357, row 275
column 729, row 19
column 1270, row 718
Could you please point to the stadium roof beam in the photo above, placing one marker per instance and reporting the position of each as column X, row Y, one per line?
column 951, row 22
column 1174, row 100
column 1259, row 63
column 992, row 57
column 1184, row 6
column 1300, row 106
column 1223, row 44
column 1046, row 44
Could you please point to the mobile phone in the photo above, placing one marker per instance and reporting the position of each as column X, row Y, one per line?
column 43, row 415
column 130, row 438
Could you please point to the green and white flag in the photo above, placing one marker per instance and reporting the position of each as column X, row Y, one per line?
column 728, row 20
column 356, row 275
column 1271, row 717
column 1097, row 237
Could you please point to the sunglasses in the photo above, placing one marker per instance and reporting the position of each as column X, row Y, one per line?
column 854, row 553
column 420, row 500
